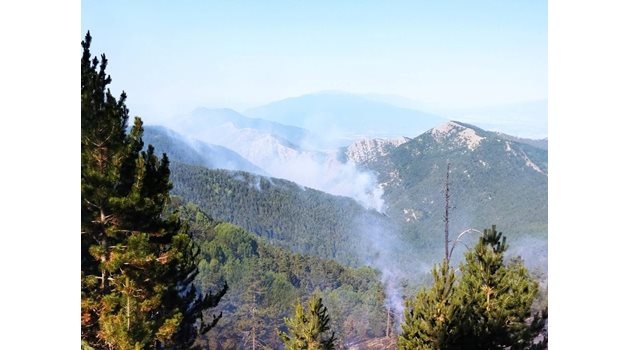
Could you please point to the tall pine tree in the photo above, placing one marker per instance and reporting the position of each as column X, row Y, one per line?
column 496, row 299
column 430, row 319
column 137, row 263
column 308, row 328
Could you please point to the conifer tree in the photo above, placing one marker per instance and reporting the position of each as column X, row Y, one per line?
column 137, row 264
column 496, row 299
column 308, row 328
column 430, row 319
column 488, row 307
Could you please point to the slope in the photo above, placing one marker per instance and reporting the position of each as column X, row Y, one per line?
column 493, row 179
column 286, row 214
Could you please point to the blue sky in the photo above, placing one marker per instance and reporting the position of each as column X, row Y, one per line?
column 172, row 56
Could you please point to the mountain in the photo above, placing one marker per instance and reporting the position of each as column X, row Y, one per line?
column 229, row 129
column 346, row 115
column 493, row 180
column 195, row 152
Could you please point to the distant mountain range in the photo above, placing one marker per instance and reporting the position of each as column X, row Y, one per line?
column 346, row 115
column 201, row 118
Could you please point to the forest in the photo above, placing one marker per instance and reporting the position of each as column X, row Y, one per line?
column 161, row 268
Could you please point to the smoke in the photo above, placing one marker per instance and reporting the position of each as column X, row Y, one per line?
column 384, row 249
column 533, row 250
column 325, row 173
column 313, row 163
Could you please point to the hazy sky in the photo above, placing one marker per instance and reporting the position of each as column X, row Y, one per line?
column 172, row 56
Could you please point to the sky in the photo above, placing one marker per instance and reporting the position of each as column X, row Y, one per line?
column 173, row 56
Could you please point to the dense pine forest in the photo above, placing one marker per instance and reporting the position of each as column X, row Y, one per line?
column 280, row 211
column 176, row 256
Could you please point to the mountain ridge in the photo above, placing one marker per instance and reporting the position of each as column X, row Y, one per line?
column 195, row 152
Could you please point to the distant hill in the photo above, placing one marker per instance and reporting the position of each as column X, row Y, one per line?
column 200, row 119
column 346, row 115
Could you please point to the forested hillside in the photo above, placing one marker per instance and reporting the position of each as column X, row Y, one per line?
column 265, row 282
column 301, row 219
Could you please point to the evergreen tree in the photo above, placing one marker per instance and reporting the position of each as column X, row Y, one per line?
column 496, row 299
column 488, row 307
column 430, row 319
column 308, row 328
column 137, row 266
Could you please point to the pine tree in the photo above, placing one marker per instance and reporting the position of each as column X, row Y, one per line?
column 488, row 307
column 308, row 328
column 496, row 299
column 430, row 319
column 137, row 266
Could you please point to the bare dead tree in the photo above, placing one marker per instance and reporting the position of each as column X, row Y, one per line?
column 388, row 329
column 446, row 207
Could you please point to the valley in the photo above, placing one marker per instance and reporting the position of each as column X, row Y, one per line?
column 391, row 223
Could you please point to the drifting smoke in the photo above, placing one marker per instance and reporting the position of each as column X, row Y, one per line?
column 319, row 169
column 533, row 251
column 383, row 249
column 331, row 176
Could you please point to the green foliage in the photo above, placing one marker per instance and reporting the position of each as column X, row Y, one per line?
column 137, row 266
column 489, row 307
column 267, row 280
column 501, row 295
column 308, row 328
column 429, row 319
column 300, row 219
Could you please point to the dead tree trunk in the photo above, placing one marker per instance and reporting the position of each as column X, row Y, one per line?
column 446, row 207
column 388, row 329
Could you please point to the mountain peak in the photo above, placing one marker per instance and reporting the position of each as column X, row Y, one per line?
column 459, row 132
